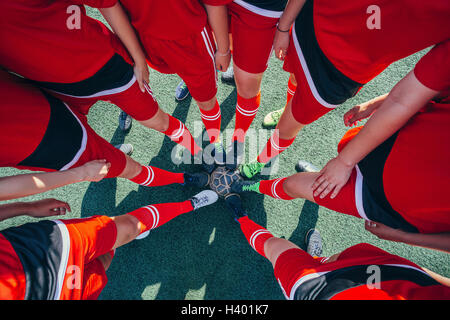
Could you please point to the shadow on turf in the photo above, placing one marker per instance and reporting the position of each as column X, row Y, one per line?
column 196, row 255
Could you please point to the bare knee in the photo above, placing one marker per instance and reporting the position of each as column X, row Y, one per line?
column 300, row 185
column 207, row 105
column 274, row 247
column 159, row 122
column 132, row 168
column 128, row 228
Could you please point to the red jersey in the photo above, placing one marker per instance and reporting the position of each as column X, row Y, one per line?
column 168, row 19
column 55, row 41
column 409, row 173
column 361, row 38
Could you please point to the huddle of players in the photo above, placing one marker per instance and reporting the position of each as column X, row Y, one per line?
column 69, row 61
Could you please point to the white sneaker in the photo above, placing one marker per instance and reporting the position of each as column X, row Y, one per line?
column 203, row 199
column 313, row 243
column 126, row 148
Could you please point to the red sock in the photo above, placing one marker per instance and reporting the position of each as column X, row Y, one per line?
column 274, row 188
column 255, row 234
column 274, row 147
column 290, row 91
column 212, row 120
column 177, row 132
column 154, row 177
column 154, row 216
column 246, row 110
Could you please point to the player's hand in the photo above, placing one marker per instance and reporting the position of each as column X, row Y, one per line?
column 142, row 74
column 384, row 232
column 281, row 44
column 222, row 60
column 357, row 113
column 93, row 171
column 332, row 178
column 47, row 208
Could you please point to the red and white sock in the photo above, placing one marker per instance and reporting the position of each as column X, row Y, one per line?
column 246, row 110
column 155, row 215
column 290, row 91
column 154, row 177
column 177, row 132
column 274, row 147
column 255, row 234
column 274, row 188
column 212, row 120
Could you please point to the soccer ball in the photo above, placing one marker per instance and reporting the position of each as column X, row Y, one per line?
column 222, row 179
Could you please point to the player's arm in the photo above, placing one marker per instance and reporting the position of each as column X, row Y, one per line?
column 218, row 20
column 23, row 185
column 363, row 110
column 120, row 24
column 404, row 101
column 436, row 241
column 36, row 209
column 281, row 39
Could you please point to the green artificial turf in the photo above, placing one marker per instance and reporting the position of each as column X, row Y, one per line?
column 204, row 255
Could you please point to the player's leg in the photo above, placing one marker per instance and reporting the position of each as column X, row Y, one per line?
column 143, row 107
column 272, row 118
column 288, row 188
column 151, row 176
column 282, row 138
column 145, row 219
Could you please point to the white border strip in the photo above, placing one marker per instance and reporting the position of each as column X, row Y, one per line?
column 358, row 194
column 105, row 92
column 82, row 147
column 65, row 236
column 260, row 11
column 311, row 84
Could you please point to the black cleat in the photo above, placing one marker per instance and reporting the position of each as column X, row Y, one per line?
column 234, row 202
column 234, row 155
column 199, row 180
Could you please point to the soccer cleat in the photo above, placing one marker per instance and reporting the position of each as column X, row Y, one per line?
column 234, row 202
column 249, row 170
column 245, row 186
column 234, row 155
column 204, row 198
column 182, row 91
column 228, row 76
column 216, row 158
column 126, row 148
column 199, row 180
column 313, row 242
column 305, row 166
column 125, row 121
column 272, row 118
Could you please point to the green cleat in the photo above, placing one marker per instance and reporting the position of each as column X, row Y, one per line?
column 249, row 170
column 272, row 118
column 245, row 186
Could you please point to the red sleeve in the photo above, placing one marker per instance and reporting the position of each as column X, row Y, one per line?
column 98, row 3
column 217, row 2
column 433, row 70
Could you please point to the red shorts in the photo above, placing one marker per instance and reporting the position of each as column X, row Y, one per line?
column 345, row 201
column 252, row 38
column 307, row 105
column 139, row 105
column 95, row 148
column 294, row 266
column 191, row 58
column 89, row 239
